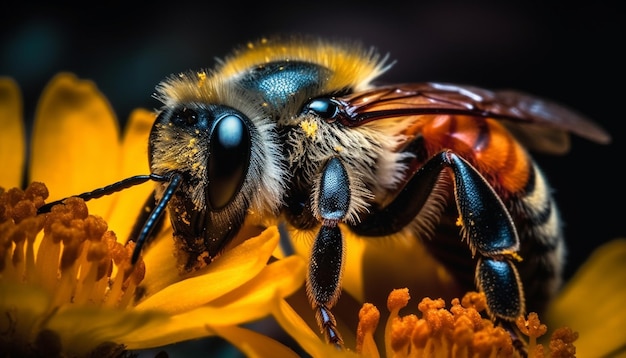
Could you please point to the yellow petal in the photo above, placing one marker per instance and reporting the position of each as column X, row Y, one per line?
column 75, row 144
column 253, row 344
column 84, row 328
column 353, row 273
column 282, row 277
column 80, row 328
column 135, row 142
column 12, row 135
column 27, row 302
column 250, row 306
column 376, row 266
column 593, row 302
column 175, row 329
column 134, row 157
column 231, row 270
column 297, row 328
column 254, row 299
column 178, row 329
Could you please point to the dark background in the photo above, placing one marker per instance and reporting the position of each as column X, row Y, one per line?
column 569, row 53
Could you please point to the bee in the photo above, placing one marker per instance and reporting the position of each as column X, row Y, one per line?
column 296, row 132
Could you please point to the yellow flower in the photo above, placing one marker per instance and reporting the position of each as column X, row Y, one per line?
column 66, row 285
column 81, row 298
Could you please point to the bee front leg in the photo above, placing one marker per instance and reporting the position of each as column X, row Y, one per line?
column 324, row 280
column 327, row 257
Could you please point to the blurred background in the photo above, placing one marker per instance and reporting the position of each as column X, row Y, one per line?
column 570, row 53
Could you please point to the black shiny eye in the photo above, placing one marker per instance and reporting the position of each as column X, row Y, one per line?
column 184, row 117
column 229, row 158
column 323, row 107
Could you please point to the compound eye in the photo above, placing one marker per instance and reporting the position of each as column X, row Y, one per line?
column 326, row 108
column 229, row 157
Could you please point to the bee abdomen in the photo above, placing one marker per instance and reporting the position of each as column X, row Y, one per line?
column 542, row 246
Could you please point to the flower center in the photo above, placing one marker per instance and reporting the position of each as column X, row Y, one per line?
column 67, row 256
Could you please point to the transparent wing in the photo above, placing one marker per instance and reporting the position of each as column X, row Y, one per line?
column 534, row 120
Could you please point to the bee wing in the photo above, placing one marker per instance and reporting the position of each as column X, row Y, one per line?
column 549, row 121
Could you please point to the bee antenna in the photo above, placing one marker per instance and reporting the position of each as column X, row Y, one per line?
column 107, row 190
column 156, row 214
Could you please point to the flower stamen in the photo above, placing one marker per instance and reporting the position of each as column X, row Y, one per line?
column 368, row 321
column 396, row 300
column 67, row 253
column 460, row 331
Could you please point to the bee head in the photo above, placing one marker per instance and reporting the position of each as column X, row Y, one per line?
column 222, row 132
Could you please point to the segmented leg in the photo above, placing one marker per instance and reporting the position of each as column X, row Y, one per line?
column 486, row 225
column 327, row 256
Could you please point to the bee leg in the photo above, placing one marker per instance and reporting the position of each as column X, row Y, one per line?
column 520, row 345
column 156, row 215
column 324, row 280
column 143, row 215
column 485, row 223
column 327, row 256
column 489, row 230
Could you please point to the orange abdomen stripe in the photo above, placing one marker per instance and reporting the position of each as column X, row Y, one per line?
column 485, row 143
